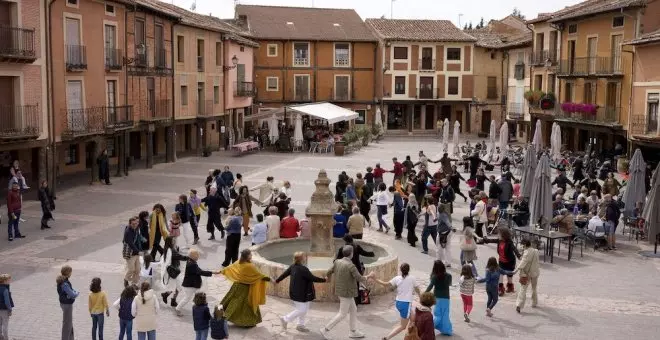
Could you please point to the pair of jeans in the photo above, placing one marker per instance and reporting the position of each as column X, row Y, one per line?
column 97, row 323
column 492, row 297
column 148, row 335
column 503, row 206
column 231, row 249
column 475, row 273
column 429, row 230
column 4, row 324
column 125, row 326
column 202, row 334
column 380, row 212
column 13, row 225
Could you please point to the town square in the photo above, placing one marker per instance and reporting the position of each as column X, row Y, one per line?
column 311, row 170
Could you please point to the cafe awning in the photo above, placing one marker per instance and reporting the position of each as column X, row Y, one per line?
column 326, row 111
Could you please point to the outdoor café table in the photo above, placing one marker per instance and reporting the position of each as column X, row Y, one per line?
column 550, row 236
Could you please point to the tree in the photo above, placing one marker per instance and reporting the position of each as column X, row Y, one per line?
column 470, row 25
column 517, row 13
column 465, row 27
column 481, row 23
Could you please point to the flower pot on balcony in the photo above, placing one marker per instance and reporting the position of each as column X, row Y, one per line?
column 340, row 148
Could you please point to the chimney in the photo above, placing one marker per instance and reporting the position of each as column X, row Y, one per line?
column 241, row 21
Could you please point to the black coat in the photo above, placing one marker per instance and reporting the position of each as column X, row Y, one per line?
column 193, row 275
column 47, row 203
column 144, row 233
column 357, row 252
column 301, row 284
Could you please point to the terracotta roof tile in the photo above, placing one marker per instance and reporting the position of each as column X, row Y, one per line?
column 302, row 23
column 157, row 6
column 651, row 37
column 591, row 7
column 418, row 30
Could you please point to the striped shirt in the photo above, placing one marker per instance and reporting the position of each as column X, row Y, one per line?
column 467, row 285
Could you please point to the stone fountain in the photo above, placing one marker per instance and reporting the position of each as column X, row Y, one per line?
column 273, row 257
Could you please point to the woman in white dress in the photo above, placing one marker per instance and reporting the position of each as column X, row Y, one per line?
column 170, row 264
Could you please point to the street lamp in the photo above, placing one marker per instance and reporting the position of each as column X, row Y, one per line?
column 140, row 51
column 234, row 61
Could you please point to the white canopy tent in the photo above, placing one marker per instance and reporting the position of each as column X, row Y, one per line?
column 326, row 111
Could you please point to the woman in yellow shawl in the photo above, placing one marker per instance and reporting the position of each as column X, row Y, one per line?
column 157, row 229
column 241, row 303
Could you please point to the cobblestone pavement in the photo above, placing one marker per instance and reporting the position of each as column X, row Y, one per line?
column 594, row 296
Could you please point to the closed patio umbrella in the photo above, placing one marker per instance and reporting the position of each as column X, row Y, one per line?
column 445, row 135
column 635, row 189
column 457, row 131
column 651, row 213
column 378, row 119
column 528, row 170
column 504, row 136
column 540, row 201
column 537, row 140
column 297, row 132
column 492, row 134
column 273, row 130
column 556, row 142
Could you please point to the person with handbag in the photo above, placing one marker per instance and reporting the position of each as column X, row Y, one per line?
column 131, row 251
column 529, row 269
column 47, row 204
column 301, row 290
column 170, row 266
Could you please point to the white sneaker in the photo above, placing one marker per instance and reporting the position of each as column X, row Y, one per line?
column 356, row 335
column 22, row 220
column 284, row 323
column 324, row 333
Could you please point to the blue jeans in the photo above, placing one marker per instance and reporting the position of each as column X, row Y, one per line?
column 426, row 232
column 380, row 212
column 202, row 334
column 13, row 223
column 475, row 273
column 97, row 322
column 503, row 206
column 125, row 326
column 150, row 335
column 492, row 297
column 441, row 318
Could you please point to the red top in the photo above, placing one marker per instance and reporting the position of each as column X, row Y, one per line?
column 13, row 201
column 424, row 324
column 398, row 169
column 378, row 172
column 501, row 252
column 289, row 227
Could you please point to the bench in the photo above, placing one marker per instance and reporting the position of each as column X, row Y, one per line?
column 245, row 147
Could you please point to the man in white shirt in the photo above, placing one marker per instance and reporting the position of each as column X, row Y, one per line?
column 286, row 189
column 596, row 228
column 265, row 189
column 593, row 202
column 273, row 223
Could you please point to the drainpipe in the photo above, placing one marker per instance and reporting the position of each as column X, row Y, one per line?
column 505, row 55
column 376, row 70
column 172, row 125
column 630, row 99
column 51, row 153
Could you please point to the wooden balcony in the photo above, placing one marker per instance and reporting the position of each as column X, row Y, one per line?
column 19, row 122
column 605, row 115
column 152, row 111
column 17, row 45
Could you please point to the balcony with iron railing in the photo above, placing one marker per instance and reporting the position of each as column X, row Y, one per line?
column 543, row 57
column 299, row 61
column 19, row 122
column 200, row 63
column 427, row 64
column 602, row 115
column 244, row 89
column 78, row 123
column 113, row 59
column 590, row 67
column 426, row 93
column 154, row 110
column 516, row 111
column 76, row 57
column 141, row 63
column 207, row 108
column 160, row 58
column 119, row 118
column 17, row 45
column 644, row 127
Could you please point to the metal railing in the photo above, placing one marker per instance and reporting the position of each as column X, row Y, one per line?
column 426, row 64
column 540, row 57
column 200, row 63
column 244, row 89
column 604, row 114
column 141, row 58
column 590, row 66
column 154, row 110
column 76, row 57
column 113, row 59
column 16, row 42
column 160, row 58
column 640, row 125
column 427, row 93
column 20, row 121
column 83, row 122
column 119, row 116
column 516, row 111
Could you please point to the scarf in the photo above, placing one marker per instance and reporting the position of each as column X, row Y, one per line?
column 160, row 219
column 248, row 274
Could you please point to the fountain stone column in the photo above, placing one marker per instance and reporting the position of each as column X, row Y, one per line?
column 320, row 211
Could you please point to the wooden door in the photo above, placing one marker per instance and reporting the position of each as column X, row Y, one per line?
column 74, row 105
column 426, row 87
column 427, row 58
column 459, row 118
column 592, row 48
column 429, row 117
column 485, row 121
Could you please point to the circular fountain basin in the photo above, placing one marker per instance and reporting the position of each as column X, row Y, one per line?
column 274, row 257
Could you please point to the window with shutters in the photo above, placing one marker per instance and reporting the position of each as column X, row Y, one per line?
column 180, row 48
column 301, row 87
column 400, row 85
column 342, row 87
column 272, row 50
column 652, row 113
column 452, row 85
column 401, row 53
column 301, row 54
column 492, row 88
column 272, row 84
column 342, row 55
column 454, row 53
column 184, row 95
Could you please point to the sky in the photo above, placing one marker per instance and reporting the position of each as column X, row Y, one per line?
column 454, row 10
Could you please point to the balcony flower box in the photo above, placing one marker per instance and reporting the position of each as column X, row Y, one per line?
column 587, row 111
column 534, row 96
